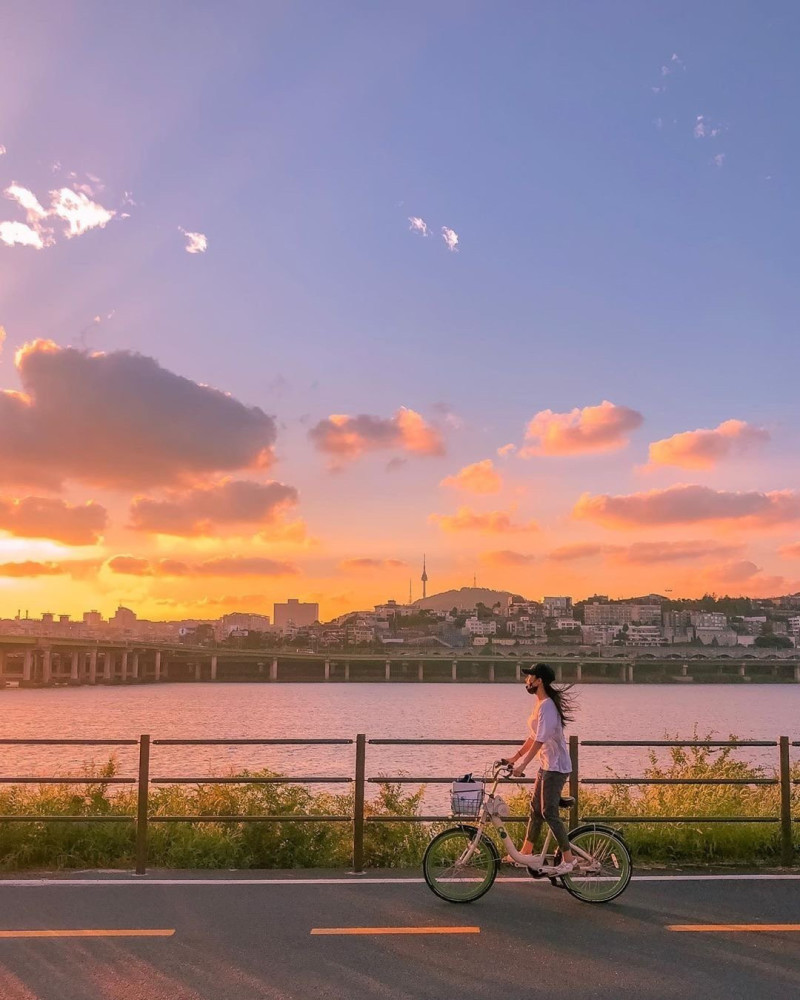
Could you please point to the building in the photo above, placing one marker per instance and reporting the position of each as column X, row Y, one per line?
column 557, row 607
column 644, row 635
column 123, row 618
column 243, row 622
column 294, row 612
column 599, row 635
column 476, row 626
column 596, row 613
column 92, row 618
column 708, row 619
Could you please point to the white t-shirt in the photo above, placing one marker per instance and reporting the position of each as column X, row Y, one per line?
column 545, row 727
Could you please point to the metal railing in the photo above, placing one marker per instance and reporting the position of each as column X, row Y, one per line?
column 361, row 815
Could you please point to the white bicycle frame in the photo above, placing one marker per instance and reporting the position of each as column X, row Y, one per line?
column 494, row 811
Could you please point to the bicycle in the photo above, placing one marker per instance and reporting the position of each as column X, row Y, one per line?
column 461, row 863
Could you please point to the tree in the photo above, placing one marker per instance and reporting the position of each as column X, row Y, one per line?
column 773, row 642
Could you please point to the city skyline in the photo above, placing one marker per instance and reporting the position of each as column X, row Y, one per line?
column 299, row 312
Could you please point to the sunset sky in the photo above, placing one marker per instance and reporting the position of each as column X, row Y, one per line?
column 291, row 293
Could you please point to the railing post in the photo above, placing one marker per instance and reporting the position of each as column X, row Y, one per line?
column 574, row 783
column 358, row 804
column 787, row 848
column 142, row 807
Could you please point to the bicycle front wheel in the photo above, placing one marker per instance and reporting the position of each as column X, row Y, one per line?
column 454, row 872
column 607, row 874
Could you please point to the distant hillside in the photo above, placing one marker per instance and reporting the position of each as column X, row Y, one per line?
column 466, row 597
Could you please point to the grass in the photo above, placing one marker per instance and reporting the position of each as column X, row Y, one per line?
column 220, row 845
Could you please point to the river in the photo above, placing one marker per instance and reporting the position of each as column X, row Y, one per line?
column 443, row 711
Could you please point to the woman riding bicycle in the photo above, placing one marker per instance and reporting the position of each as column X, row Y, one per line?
column 551, row 711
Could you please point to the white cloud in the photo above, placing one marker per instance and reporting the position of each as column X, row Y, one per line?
column 74, row 208
column 719, row 160
column 79, row 212
column 18, row 234
column 195, row 242
column 418, row 225
column 703, row 128
column 3, row 150
column 26, row 200
column 450, row 236
column 2, row 338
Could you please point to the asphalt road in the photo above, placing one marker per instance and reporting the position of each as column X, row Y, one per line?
column 223, row 938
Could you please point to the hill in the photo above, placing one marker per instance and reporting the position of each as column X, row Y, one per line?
column 466, row 597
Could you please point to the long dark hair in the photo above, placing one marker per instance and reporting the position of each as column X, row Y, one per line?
column 563, row 697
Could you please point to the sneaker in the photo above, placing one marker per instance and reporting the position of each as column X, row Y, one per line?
column 563, row 869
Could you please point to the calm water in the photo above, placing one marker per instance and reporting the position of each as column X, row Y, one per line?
column 398, row 711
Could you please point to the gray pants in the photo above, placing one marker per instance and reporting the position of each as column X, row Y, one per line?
column 544, row 806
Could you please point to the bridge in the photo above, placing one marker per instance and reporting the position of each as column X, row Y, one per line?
column 28, row 661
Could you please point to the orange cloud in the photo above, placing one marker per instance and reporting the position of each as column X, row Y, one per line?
column 42, row 517
column 348, row 438
column 494, row 522
column 506, row 558
column 364, row 564
column 222, row 566
column 702, row 449
column 203, row 510
column 120, row 420
column 592, row 429
column 689, row 504
column 506, row 450
column 20, row 569
column 790, row 551
column 480, row 477
column 644, row 553
column 578, row 550
column 76, row 568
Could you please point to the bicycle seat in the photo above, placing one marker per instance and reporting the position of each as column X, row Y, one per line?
column 566, row 801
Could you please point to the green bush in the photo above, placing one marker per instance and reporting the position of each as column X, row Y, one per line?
column 221, row 844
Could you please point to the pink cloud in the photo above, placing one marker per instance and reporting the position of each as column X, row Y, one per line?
column 790, row 551
column 646, row 553
column 506, row 558
column 119, row 420
column 480, row 477
column 202, row 511
column 222, row 566
column 704, row 448
column 369, row 564
column 689, row 504
column 581, row 431
column 578, row 550
column 346, row 437
column 495, row 522
column 42, row 517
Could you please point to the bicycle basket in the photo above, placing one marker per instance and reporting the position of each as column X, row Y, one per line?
column 466, row 797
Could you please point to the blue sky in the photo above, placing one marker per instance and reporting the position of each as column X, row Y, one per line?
column 606, row 250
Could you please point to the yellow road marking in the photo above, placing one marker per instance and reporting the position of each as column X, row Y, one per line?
column 87, row 933
column 395, row 930
column 732, row 928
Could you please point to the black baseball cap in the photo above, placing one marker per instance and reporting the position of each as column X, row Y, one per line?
column 542, row 671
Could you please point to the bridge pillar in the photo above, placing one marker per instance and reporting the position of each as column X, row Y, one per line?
column 125, row 667
column 629, row 678
column 797, row 674
column 347, row 671
column 420, row 671
column 2, row 665
column 327, row 670
column 158, row 665
column 47, row 666
column 578, row 671
column 491, row 672
column 27, row 667
column 742, row 670
column 273, row 670
column 213, row 668
column 518, row 672
column 454, row 670
column 387, row 670
column 108, row 665
column 92, row 666
column 74, row 675
column 135, row 667
column 559, row 673
column 196, row 669
column 684, row 670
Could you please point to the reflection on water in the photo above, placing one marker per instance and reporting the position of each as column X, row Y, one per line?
column 392, row 711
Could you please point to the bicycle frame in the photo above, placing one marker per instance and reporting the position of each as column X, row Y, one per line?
column 492, row 811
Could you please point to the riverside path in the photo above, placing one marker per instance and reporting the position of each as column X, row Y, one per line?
column 384, row 936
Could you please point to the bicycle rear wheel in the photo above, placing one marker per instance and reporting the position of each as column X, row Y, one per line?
column 451, row 878
column 609, row 872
